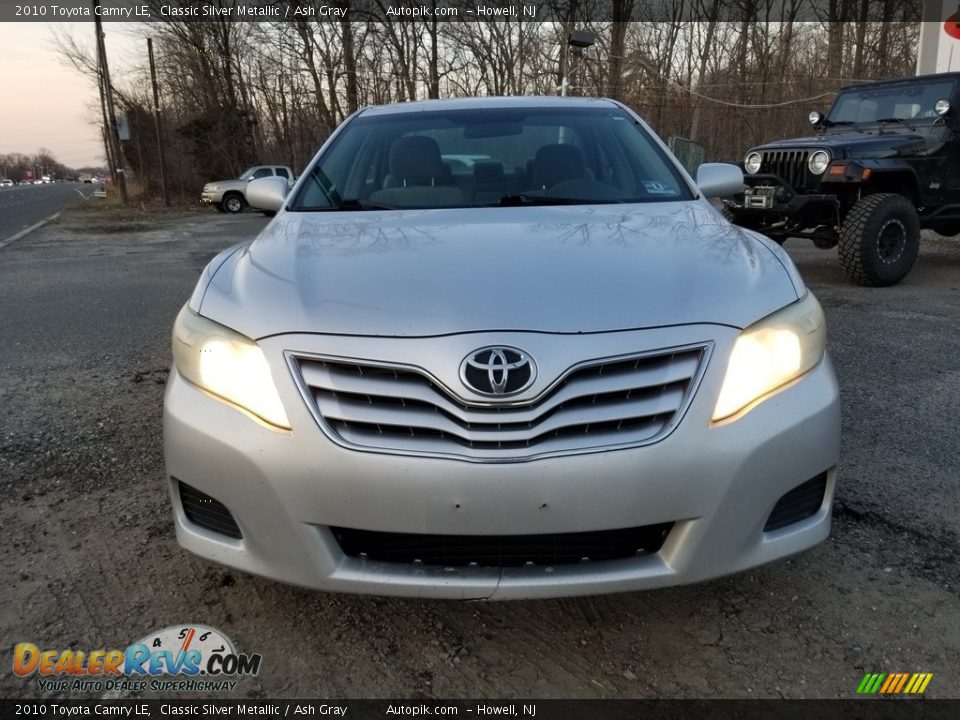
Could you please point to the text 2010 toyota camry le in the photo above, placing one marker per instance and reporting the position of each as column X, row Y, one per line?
column 500, row 348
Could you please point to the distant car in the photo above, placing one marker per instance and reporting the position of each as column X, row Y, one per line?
column 88, row 181
column 880, row 168
column 231, row 195
column 6, row 183
column 25, row 182
column 563, row 374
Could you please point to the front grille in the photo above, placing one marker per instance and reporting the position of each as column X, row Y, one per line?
column 622, row 401
column 203, row 510
column 791, row 165
column 502, row 550
column 800, row 503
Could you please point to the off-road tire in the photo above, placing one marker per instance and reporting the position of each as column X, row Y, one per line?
column 234, row 203
column 879, row 239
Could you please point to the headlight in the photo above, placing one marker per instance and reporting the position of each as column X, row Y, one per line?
column 211, row 187
column 818, row 162
column 226, row 364
column 751, row 163
column 772, row 352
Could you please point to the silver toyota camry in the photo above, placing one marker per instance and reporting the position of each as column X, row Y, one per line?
column 500, row 348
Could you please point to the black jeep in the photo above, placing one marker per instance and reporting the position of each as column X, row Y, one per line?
column 884, row 165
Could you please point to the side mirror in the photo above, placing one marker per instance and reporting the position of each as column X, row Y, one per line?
column 719, row 179
column 267, row 193
column 815, row 118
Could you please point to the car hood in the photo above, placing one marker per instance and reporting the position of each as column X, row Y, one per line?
column 541, row 269
column 223, row 183
column 866, row 145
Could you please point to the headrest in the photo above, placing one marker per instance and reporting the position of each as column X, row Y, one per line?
column 555, row 163
column 415, row 160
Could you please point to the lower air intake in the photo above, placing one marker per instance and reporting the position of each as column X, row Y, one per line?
column 210, row 514
column 800, row 503
column 502, row 550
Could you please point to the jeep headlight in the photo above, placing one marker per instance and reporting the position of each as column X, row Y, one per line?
column 751, row 163
column 818, row 162
column 772, row 352
column 226, row 364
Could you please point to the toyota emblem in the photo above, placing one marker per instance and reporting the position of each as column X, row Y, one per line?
column 498, row 371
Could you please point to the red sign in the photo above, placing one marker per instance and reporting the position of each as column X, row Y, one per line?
column 952, row 26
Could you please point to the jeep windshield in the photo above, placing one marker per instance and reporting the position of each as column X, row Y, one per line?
column 907, row 105
column 490, row 157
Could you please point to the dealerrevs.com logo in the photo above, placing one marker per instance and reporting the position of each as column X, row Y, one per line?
column 186, row 658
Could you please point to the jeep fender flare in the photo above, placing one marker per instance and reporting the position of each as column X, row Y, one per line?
column 879, row 175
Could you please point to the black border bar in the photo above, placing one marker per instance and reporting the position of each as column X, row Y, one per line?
column 866, row 709
column 563, row 11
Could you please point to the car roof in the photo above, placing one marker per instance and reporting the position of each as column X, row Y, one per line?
column 473, row 103
column 903, row 80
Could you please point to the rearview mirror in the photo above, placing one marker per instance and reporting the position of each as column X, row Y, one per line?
column 719, row 179
column 268, row 193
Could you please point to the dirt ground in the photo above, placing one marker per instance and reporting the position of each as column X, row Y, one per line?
column 89, row 559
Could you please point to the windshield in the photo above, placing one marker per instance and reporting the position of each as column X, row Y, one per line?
column 909, row 103
column 488, row 157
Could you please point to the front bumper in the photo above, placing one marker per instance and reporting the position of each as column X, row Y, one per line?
column 717, row 484
column 211, row 197
column 773, row 205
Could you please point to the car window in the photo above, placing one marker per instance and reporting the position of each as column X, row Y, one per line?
column 491, row 156
column 902, row 102
column 282, row 172
column 262, row 173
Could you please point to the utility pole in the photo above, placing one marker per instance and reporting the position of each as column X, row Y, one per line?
column 107, row 148
column 156, row 122
column 114, row 140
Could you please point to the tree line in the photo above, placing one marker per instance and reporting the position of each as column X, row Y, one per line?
column 19, row 167
column 235, row 94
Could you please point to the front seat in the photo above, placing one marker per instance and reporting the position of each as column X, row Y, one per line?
column 555, row 163
column 416, row 177
column 414, row 161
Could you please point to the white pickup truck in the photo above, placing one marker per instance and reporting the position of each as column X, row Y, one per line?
column 231, row 195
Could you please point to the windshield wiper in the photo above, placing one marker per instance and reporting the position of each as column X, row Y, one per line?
column 346, row 205
column 527, row 199
column 896, row 120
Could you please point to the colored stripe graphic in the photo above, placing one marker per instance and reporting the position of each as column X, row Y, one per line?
column 871, row 683
column 894, row 683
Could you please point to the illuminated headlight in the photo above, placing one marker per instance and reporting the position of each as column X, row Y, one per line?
column 226, row 364
column 751, row 163
column 772, row 352
column 818, row 162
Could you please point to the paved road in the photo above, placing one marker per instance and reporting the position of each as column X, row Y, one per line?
column 23, row 206
column 88, row 558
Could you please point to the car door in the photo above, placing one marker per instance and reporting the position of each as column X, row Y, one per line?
column 285, row 174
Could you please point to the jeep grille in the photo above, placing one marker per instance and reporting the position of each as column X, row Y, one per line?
column 791, row 165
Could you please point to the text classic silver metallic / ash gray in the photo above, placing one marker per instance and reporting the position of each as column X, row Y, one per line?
column 500, row 348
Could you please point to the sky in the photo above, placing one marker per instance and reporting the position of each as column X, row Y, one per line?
column 48, row 104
